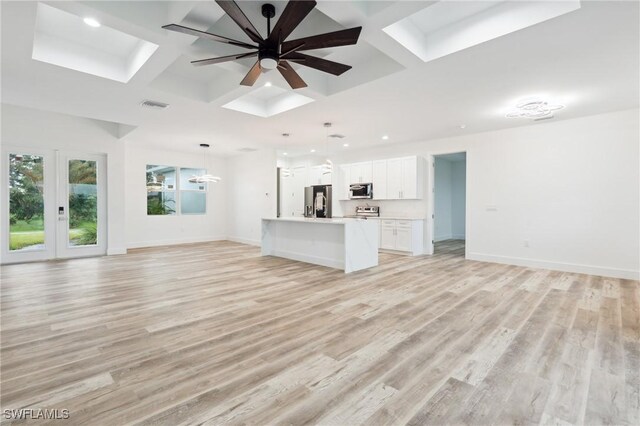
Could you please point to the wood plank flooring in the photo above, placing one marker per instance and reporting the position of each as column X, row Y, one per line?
column 215, row 334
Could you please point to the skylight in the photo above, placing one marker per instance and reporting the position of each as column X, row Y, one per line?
column 67, row 40
column 447, row 27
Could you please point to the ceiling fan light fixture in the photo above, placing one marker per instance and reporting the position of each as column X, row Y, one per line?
column 268, row 61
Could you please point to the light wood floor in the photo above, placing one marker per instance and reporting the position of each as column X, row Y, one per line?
column 215, row 334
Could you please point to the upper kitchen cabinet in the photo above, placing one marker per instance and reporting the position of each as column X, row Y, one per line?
column 393, row 179
column 404, row 178
column 379, row 179
column 344, row 181
column 361, row 172
column 317, row 177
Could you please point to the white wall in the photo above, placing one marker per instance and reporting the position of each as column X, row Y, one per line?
column 145, row 231
column 252, row 194
column 570, row 188
column 30, row 128
column 442, row 200
column 458, row 199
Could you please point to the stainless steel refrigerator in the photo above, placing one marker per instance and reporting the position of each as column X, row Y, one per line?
column 317, row 201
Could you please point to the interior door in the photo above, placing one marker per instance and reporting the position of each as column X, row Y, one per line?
column 81, row 209
column 28, row 205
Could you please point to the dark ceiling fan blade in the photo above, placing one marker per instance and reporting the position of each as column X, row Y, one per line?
column 325, row 65
column 321, row 41
column 223, row 59
column 290, row 75
column 233, row 10
column 293, row 13
column 208, row 36
column 252, row 75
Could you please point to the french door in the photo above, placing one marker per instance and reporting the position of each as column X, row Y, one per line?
column 54, row 205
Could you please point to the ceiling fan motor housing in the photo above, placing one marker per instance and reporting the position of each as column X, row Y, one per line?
column 268, row 10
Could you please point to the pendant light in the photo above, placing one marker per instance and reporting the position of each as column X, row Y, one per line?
column 204, row 178
column 327, row 166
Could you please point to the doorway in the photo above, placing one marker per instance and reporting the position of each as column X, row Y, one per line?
column 449, row 203
column 55, row 205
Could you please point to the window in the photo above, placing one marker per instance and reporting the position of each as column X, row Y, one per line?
column 193, row 195
column 172, row 189
column 161, row 190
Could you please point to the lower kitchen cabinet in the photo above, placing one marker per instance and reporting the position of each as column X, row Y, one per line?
column 402, row 235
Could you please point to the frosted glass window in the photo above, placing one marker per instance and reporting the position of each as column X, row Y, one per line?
column 186, row 174
column 193, row 202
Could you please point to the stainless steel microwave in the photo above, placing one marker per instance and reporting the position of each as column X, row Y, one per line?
column 360, row 190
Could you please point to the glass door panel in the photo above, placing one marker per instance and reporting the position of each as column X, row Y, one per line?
column 26, row 202
column 83, row 203
column 28, row 190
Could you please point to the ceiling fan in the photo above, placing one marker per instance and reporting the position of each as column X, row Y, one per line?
column 274, row 51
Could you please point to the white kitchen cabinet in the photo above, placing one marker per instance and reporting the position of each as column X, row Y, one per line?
column 403, row 178
column 403, row 238
column 316, row 177
column 402, row 235
column 387, row 237
column 344, row 181
column 361, row 172
column 394, row 178
column 379, row 179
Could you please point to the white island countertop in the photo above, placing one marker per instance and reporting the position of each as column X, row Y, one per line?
column 350, row 244
column 331, row 221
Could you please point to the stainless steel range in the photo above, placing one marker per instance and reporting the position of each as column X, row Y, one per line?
column 363, row 212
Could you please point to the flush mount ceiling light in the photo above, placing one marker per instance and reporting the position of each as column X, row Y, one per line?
column 91, row 22
column 385, row 137
column 533, row 108
column 204, row 178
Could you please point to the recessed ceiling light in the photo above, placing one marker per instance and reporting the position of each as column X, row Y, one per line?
column 313, row 150
column 385, row 137
column 533, row 108
column 267, row 84
column 284, row 153
column 345, row 145
column 91, row 22
column 463, row 126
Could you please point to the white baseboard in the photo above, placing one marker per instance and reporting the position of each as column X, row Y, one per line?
column 442, row 238
column 116, row 251
column 458, row 237
column 244, row 241
column 171, row 242
column 557, row 266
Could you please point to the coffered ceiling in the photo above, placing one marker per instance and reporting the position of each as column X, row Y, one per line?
column 421, row 69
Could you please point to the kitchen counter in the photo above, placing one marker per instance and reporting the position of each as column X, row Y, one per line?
column 342, row 243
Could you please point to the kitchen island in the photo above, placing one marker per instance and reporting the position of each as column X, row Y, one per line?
column 348, row 244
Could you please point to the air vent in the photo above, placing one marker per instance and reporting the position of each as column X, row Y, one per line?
column 247, row 150
column 548, row 117
column 337, row 136
column 154, row 104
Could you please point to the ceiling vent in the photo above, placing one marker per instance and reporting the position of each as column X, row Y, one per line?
column 247, row 150
column 548, row 117
column 337, row 136
column 154, row 104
